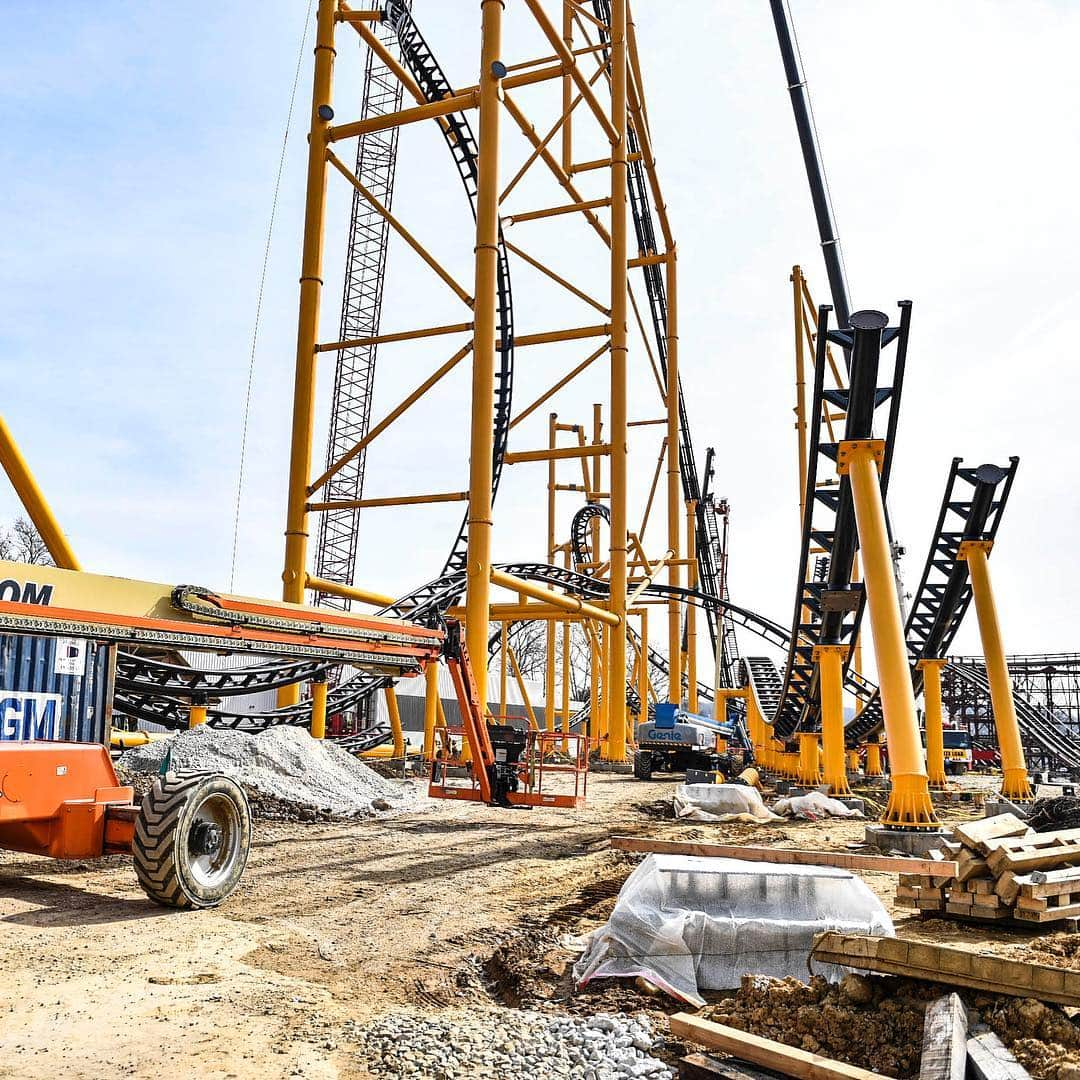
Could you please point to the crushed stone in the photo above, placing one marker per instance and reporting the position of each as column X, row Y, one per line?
column 489, row 1044
column 288, row 775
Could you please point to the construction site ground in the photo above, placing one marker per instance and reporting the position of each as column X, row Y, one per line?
column 458, row 907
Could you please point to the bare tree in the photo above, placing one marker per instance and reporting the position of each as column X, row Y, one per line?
column 23, row 543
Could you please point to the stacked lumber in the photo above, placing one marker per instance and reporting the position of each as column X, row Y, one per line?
column 1003, row 870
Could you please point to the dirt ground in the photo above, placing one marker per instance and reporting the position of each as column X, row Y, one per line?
column 334, row 924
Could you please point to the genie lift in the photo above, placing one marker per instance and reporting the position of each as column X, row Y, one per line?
column 677, row 740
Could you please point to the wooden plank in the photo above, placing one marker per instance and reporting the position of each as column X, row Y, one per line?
column 949, row 965
column 1047, row 858
column 1054, row 877
column 977, row 912
column 987, row 900
column 788, row 1060
column 884, row 864
column 990, row 1059
column 1008, row 887
column 1053, row 914
column 703, row 1067
column 944, row 1046
column 973, row 834
column 971, row 866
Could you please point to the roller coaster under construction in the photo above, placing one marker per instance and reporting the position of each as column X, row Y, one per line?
column 589, row 169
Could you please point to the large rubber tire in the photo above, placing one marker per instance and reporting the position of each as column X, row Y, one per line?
column 643, row 764
column 177, row 861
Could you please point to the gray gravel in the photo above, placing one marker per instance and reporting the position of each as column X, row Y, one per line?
column 504, row 1043
column 293, row 774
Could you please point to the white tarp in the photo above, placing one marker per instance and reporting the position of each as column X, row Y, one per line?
column 813, row 806
column 688, row 924
column 721, row 802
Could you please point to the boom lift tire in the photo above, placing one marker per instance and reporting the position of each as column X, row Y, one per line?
column 643, row 764
column 191, row 839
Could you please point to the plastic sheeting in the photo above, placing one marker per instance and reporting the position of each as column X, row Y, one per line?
column 813, row 806
column 721, row 802
column 688, row 924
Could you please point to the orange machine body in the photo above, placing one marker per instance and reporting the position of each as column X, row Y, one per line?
column 64, row 800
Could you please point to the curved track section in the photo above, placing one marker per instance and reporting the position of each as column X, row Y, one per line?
column 579, row 531
column 1037, row 723
column 971, row 509
column 829, row 611
column 142, row 678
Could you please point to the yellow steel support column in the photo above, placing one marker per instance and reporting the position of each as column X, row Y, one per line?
column 567, row 629
column 606, row 691
column 853, row 761
column 431, row 708
column 1014, row 785
column 691, row 609
column 909, row 803
column 830, row 661
column 197, row 713
column 481, row 443
column 616, row 669
column 294, row 576
column 873, row 759
column 643, row 666
column 935, row 735
column 594, row 686
column 552, row 627
column 395, row 721
column 809, row 759
column 34, row 502
column 674, row 481
column 318, row 708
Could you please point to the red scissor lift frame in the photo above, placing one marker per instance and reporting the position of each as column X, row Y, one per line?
column 539, row 758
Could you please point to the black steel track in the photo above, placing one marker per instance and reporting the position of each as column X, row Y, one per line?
column 830, row 611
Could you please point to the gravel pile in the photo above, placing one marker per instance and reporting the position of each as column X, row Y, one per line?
column 505, row 1043
column 287, row 774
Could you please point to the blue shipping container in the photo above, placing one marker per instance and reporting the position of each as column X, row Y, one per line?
column 55, row 688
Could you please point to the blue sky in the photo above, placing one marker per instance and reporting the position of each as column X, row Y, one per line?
column 137, row 169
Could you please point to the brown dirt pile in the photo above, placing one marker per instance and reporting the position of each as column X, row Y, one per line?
column 1044, row 1040
column 863, row 1021
column 876, row 1022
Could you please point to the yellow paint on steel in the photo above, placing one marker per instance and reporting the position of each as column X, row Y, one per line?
column 318, row 709
column 559, row 454
column 909, row 803
column 391, row 500
column 456, row 103
column 552, row 628
column 403, row 406
column 349, row 592
column 431, row 708
column 196, row 715
column 555, row 599
column 809, row 773
column 556, row 387
column 307, row 333
column 395, row 721
column 829, row 660
column 400, row 335
column 400, row 229
column 34, row 501
column 1015, row 784
column 674, row 481
column 874, row 766
column 935, row 736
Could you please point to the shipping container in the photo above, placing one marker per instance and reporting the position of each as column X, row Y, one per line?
column 56, row 688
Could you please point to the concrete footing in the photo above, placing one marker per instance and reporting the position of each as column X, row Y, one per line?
column 611, row 766
column 998, row 804
column 918, row 842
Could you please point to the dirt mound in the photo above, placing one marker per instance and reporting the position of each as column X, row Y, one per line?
column 876, row 1022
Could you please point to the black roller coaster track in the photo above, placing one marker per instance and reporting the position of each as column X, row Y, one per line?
column 971, row 509
column 1036, row 722
column 137, row 677
column 829, row 611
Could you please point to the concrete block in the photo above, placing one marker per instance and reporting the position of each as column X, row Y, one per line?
column 918, row 842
